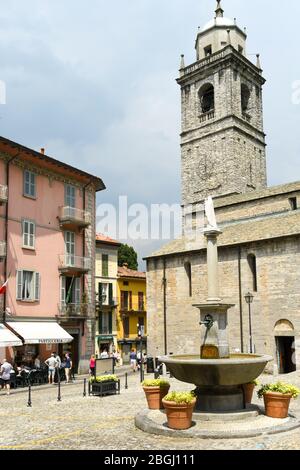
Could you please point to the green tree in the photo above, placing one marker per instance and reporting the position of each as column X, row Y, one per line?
column 127, row 254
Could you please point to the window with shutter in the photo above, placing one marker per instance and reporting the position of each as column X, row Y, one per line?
column 19, row 284
column 28, row 234
column 110, row 323
column 130, row 300
column 63, row 290
column 110, row 294
column 77, row 290
column 37, row 286
column 105, row 265
column 70, row 196
column 29, row 184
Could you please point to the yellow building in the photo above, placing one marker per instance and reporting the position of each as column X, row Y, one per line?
column 106, row 271
column 131, row 312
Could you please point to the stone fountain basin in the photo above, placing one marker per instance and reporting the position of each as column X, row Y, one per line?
column 238, row 369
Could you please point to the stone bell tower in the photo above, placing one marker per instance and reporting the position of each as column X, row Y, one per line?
column 222, row 140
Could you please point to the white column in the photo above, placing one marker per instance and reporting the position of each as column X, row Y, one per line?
column 212, row 265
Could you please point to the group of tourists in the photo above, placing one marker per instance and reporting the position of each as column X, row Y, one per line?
column 54, row 364
column 137, row 360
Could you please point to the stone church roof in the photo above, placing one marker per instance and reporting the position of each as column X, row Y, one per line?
column 255, row 195
column 274, row 226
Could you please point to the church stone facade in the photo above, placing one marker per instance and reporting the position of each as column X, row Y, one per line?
column 223, row 155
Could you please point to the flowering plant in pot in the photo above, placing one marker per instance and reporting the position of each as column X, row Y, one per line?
column 179, row 408
column 248, row 390
column 277, row 397
column 155, row 390
column 103, row 378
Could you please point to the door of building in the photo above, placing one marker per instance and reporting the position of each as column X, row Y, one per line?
column 286, row 358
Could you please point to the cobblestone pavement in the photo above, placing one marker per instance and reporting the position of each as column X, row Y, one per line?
column 107, row 423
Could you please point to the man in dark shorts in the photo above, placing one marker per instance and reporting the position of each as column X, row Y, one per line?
column 5, row 372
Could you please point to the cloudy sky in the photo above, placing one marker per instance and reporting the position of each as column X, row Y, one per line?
column 94, row 83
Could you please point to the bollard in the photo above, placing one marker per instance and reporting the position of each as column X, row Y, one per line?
column 58, row 382
column 84, row 387
column 126, row 381
column 29, row 404
column 89, row 388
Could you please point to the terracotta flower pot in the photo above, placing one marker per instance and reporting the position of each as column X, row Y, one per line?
column 155, row 395
column 179, row 414
column 277, row 404
column 248, row 392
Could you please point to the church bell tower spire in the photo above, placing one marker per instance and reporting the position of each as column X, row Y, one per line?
column 219, row 10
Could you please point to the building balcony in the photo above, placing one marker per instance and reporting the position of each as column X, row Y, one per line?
column 2, row 250
column 71, row 218
column 127, row 310
column 3, row 194
column 108, row 304
column 74, row 265
column 207, row 116
column 73, row 310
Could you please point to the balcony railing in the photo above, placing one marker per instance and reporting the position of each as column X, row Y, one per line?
column 3, row 193
column 73, row 310
column 108, row 302
column 207, row 116
column 72, row 217
column 2, row 249
column 72, row 263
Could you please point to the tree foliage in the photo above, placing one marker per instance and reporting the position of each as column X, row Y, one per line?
column 128, row 255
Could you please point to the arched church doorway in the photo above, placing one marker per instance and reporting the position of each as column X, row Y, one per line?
column 285, row 346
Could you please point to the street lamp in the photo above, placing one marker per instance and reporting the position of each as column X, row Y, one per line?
column 249, row 299
column 141, row 352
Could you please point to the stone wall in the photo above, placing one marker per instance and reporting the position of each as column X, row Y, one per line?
column 278, row 297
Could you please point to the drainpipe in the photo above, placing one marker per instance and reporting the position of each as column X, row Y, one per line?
column 165, row 307
column 6, row 232
column 240, row 298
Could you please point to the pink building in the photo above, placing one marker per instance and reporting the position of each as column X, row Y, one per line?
column 47, row 252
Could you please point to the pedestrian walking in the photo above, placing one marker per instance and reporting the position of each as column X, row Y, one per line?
column 52, row 364
column 92, row 365
column 133, row 360
column 5, row 371
column 68, row 366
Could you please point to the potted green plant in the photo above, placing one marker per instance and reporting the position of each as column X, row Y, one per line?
column 277, row 397
column 248, row 390
column 179, row 408
column 155, row 390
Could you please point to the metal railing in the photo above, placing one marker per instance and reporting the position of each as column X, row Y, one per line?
column 2, row 249
column 76, row 215
column 73, row 310
column 3, row 192
column 75, row 262
column 105, row 331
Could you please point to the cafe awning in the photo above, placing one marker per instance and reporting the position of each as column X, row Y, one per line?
column 7, row 338
column 41, row 332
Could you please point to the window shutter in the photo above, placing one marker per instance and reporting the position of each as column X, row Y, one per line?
column 77, row 290
column 100, row 292
column 122, row 300
column 31, row 234
column 63, row 290
column 110, row 323
column 110, row 294
column 37, row 286
column 130, row 300
column 100, row 323
column 19, row 285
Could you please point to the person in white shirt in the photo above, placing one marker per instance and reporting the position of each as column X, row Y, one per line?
column 5, row 371
column 104, row 354
column 52, row 363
